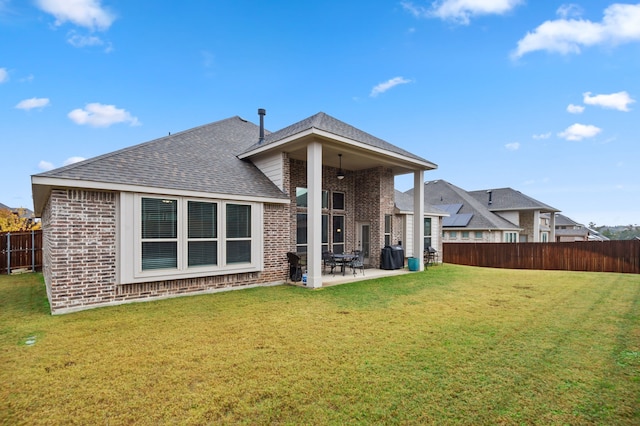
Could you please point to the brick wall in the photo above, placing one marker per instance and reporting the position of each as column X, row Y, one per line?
column 526, row 223
column 79, row 252
column 80, row 247
column 369, row 196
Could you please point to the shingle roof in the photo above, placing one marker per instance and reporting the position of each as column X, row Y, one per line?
column 509, row 199
column 404, row 202
column 562, row 220
column 441, row 193
column 202, row 159
column 326, row 123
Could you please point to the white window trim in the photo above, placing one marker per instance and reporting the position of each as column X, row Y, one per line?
column 130, row 241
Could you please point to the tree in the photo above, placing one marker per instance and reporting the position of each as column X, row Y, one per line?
column 17, row 221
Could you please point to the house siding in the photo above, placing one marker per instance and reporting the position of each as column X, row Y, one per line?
column 80, row 245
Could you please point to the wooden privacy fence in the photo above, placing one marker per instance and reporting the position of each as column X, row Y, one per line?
column 592, row 256
column 20, row 250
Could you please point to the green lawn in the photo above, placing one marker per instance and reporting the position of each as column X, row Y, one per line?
column 451, row 345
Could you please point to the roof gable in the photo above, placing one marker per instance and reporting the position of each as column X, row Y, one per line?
column 326, row 123
column 469, row 213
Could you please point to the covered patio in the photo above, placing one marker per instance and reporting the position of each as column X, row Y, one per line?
column 341, row 186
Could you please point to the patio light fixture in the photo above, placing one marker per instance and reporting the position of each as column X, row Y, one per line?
column 340, row 174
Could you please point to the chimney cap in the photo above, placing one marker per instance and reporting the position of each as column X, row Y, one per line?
column 262, row 111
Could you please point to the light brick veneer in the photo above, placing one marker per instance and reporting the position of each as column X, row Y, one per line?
column 80, row 240
column 79, row 248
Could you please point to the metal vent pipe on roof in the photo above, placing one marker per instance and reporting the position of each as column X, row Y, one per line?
column 261, row 112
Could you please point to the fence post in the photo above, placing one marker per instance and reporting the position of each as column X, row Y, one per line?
column 33, row 251
column 8, row 253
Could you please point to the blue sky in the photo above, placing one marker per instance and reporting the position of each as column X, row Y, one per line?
column 539, row 96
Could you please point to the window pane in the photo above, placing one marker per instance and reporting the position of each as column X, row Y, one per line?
column 159, row 255
column 159, row 218
column 238, row 251
column 301, row 197
column 301, row 228
column 203, row 253
column 325, row 229
column 238, row 221
column 387, row 224
column 338, row 201
column 427, row 226
column 325, row 199
column 338, row 229
column 202, row 220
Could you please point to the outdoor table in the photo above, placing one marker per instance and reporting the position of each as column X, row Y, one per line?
column 343, row 259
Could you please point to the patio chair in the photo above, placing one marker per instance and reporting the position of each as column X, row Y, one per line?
column 328, row 261
column 295, row 268
column 358, row 261
column 430, row 256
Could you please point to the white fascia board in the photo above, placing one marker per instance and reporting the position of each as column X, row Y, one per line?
column 426, row 213
column 107, row 186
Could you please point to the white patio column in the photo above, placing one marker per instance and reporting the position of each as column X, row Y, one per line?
column 418, row 216
column 536, row 226
column 552, row 225
column 314, row 215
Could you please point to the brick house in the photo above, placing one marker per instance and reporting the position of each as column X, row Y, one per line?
column 217, row 207
column 490, row 215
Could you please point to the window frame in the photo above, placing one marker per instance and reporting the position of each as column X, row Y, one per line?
column 426, row 238
column 131, row 241
column 388, row 229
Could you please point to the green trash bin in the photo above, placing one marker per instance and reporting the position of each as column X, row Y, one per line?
column 413, row 264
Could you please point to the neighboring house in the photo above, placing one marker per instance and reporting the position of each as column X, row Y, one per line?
column 21, row 211
column 534, row 217
column 217, row 207
column 494, row 216
column 403, row 223
column 568, row 230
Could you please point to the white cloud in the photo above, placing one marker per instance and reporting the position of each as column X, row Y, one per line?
column 620, row 24
column 569, row 11
column 72, row 160
column 619, row 101
column 461, row 11
column 577, row 132
column 77, row 40
column 575, row 109
column 85, row 13
column 383, row 87
column 45, row 165
column 542, row 136
column 99, row 115
column 32, row 103
column 4, row 75
column 514, row 146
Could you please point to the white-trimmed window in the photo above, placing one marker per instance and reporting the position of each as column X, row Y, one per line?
column 191, row 235
column 510, row 237
column 427, row 233
column 387, row 229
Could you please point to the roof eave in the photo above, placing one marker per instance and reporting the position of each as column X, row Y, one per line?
column 42, row 186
